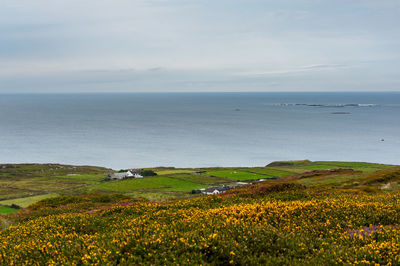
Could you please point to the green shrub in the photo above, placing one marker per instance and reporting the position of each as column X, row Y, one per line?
column 148, row 172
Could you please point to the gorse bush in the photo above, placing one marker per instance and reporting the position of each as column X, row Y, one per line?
column 276, row 228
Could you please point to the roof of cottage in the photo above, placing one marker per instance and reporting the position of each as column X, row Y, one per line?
column 118, row 175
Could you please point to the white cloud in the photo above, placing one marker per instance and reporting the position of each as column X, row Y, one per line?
column 203, row 43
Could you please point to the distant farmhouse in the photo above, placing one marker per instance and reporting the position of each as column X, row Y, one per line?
column 126, row 175
column 223, row 188
column 214, row 190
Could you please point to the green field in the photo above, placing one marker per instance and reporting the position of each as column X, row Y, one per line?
column 26, row 201
column 323, row 180
column 150, row 183
column 6, row 210
column 365, row 167
column 24, row 184
column 238, row 175
column 27, row 181
column 82, row 178
column 202, row 179
column 174, row 171
column 270, row 172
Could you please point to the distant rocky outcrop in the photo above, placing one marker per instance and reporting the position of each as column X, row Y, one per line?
column 288, row 163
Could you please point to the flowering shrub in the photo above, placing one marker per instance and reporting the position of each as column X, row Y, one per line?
column 335, row 229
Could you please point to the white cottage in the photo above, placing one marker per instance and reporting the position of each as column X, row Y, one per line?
column 135, row 174
column 124, row 175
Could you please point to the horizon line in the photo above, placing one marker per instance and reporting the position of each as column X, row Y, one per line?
column 189, row 92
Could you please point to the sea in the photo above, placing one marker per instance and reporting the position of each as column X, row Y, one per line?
column 136, row 130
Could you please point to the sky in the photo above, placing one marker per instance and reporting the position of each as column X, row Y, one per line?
column 61, row 46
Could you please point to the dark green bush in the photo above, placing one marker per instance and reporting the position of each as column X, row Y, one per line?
column 147, row 172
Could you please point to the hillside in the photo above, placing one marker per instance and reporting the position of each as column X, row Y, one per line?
column 24, row 184
column 302, row 213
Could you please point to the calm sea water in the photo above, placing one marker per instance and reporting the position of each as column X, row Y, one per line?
column 199, row 129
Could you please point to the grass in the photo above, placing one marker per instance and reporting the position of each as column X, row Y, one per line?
column 21, row 182
column 86, row 178
column 6, row 210
column 270, row 172
column 8, row 192
column 174, row 171
column 365, row 167
column 317, row 166
column 158, row 195
column 356, row 164
column 47, row 170
column 202, row 179
column 41, row 184
column 323, row 180
column 238, row 175
column 160, row 183
column 289, row 163
column 24, row 180
column 26, row 201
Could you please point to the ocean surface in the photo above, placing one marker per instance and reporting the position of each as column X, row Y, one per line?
column 199, row 129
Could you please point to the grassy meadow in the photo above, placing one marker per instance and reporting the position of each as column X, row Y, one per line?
column 6, row 210
column 160, row 183
column 237, row 175
column 25, row 184
column 304, row 213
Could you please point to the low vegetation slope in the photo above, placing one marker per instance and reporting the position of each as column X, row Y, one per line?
column 24, row 184
column 317, row 218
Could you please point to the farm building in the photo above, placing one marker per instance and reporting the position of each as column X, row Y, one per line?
column 118, row 176
column 125, row 175
column 135, row 173
column 214, row 190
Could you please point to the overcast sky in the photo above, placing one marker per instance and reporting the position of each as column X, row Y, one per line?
column 199, row 45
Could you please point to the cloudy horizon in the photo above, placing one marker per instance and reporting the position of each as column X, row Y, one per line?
column 191, row 46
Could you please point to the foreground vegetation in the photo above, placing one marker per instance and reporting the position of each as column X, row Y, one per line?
column 304, row 214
